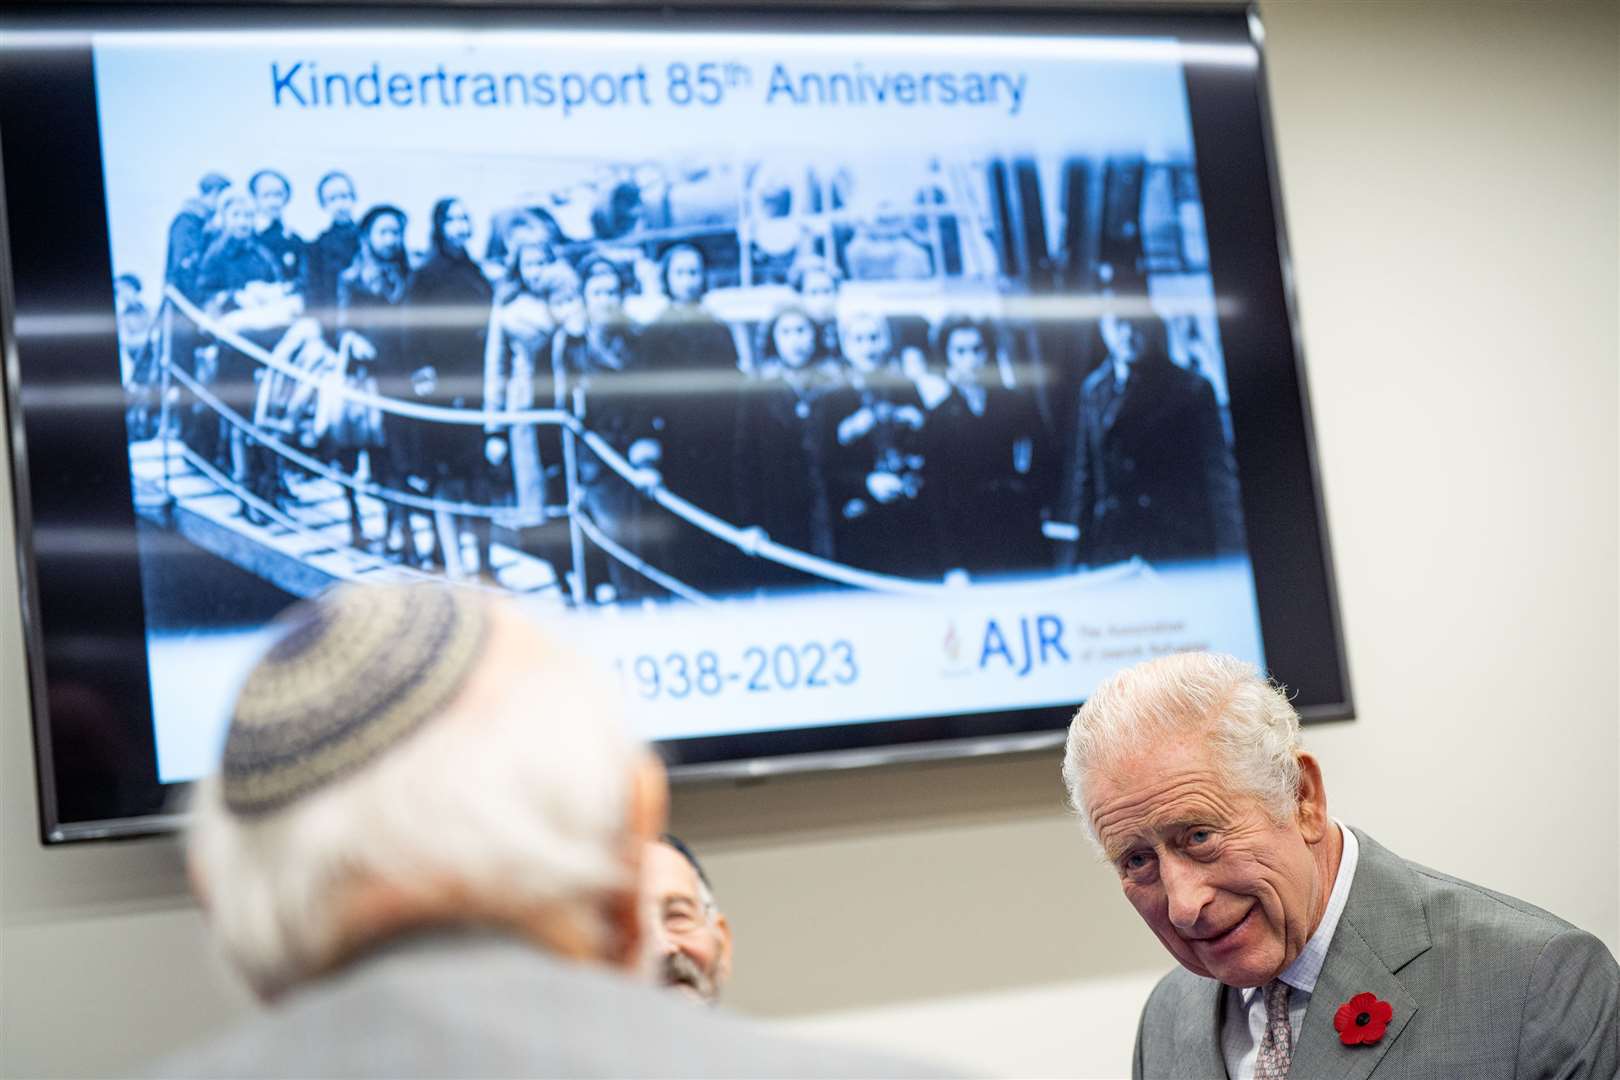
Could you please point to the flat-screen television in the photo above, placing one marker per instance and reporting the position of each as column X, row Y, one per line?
column 857, row 384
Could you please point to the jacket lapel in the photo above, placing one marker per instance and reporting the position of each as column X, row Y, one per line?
column 1383, row 927
column 1355, row 969
column 1197, row 1036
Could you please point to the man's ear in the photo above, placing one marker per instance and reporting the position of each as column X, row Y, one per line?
column 1312, row 800
column 198, row 882
column 648, row 812
column 644, row 819
column 723, row 968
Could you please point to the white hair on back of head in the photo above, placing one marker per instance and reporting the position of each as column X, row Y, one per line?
column 521, row 804
column 1196, row 695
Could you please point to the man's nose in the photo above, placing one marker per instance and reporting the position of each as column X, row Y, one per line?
column 1186, row 889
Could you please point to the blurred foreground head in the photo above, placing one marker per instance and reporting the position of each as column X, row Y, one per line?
column 409, row 758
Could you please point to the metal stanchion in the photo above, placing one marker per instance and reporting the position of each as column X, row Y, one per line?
column 576, row 539
column 165, row 412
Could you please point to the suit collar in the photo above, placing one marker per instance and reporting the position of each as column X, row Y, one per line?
column 1383, row 928
column 1387, row 905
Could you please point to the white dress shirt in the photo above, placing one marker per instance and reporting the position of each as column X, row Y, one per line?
column 1245, row 1023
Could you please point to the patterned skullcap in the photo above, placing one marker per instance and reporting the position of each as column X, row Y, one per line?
column 354, row 673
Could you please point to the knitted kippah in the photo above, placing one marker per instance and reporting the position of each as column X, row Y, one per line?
column 353, row 674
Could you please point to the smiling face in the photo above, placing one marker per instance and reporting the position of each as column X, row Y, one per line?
column 690, row 940
column 1233, row 894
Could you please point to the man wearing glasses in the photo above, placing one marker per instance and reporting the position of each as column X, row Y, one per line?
column 690, row 938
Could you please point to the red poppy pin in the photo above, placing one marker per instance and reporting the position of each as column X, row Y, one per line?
column 1362, row 1020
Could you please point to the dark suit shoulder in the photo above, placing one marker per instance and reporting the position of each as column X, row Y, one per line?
column 1187, row 378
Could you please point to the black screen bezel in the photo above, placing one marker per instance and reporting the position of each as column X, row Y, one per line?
column 84, row 618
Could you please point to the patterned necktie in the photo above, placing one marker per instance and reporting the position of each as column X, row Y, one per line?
column 1277, row 1047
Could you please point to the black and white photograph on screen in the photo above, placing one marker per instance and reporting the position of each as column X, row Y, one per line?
column 639, row 380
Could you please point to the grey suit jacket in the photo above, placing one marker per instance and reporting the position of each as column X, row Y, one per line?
column 1483, row 986
column 473, row 1005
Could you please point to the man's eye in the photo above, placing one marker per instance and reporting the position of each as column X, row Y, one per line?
column 1199, row 836
column 679, row 920
column 1136, row 862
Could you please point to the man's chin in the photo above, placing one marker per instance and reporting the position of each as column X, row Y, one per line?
column 1242, row 971
column 1239, row 971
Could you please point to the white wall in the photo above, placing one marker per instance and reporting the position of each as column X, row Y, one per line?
column 1450, row 173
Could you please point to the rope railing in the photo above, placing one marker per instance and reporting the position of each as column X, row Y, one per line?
column 298, row 457
column 635, row 562
column 749, row 540
column 441, row 413
column 284, row 519
column 752, row 540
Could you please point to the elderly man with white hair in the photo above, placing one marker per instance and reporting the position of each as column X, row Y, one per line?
column 1306, row 948
column 424, row 849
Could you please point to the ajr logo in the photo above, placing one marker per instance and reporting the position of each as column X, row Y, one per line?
column 1035, row 642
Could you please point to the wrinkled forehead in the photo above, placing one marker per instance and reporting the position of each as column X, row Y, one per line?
column 1155, row 787
column 1146, row 818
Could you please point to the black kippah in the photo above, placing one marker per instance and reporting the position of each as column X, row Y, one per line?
column 353, row 674
column 673, row 841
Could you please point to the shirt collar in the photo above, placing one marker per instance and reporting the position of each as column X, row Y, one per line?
column 1307, row 966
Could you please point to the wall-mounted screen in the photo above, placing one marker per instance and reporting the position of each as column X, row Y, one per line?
column 853, row 386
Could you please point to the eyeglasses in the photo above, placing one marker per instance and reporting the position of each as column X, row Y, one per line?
column 679, row 915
